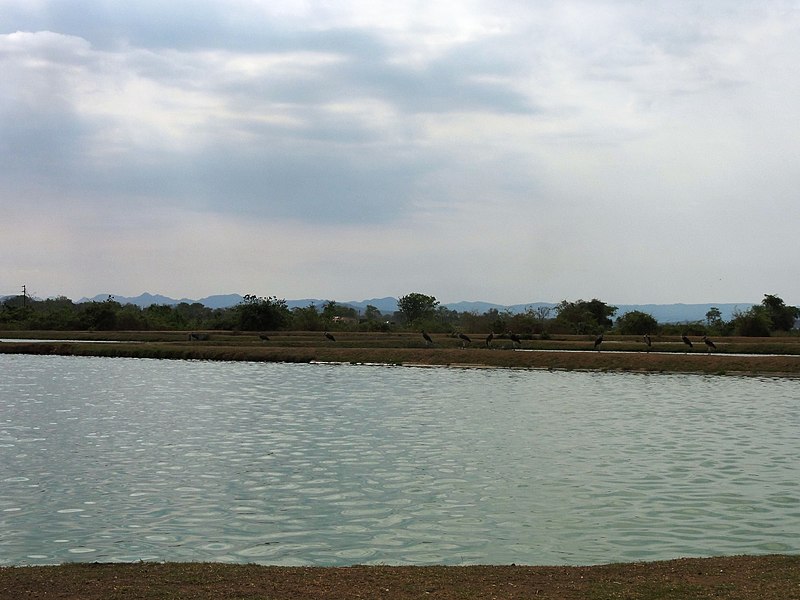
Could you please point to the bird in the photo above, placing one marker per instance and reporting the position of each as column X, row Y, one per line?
column 597, row 341
column 687, row 341
column 263, row 337
column 464, row 339
column 330, row 336
column 647, row 341
column 489, row 339
column 515, row 339
column 709, row 344
column 427, row 338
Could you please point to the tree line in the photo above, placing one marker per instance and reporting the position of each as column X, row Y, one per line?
column 415, row 311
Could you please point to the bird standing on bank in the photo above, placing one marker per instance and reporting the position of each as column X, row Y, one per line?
column 427, row 338
column 597, row 341
column 709, row 344
column 647, row 341
column 489, row 339
column 687, row 341
column 330, row 336
column 515, row 339
column 464, row 339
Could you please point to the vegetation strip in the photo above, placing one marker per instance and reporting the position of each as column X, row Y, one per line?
column 779, row 365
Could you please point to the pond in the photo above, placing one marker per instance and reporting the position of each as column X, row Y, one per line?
column 109, row 459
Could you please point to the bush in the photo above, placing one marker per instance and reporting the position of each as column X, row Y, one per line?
column 636, row 322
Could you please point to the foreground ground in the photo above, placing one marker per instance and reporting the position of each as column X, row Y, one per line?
column 734, row 578
column 753, row 356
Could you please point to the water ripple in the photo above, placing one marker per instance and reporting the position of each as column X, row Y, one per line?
column 125, row 460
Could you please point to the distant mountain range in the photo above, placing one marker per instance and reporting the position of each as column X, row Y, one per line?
column 663, row 313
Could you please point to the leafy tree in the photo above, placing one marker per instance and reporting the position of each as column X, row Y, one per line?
column 492, row 320
column 193, row 316
column 782, row 317
column 331, row 310
column 131, row 318
column 101, row 316
column 754, row 322
column 581, row 316
column 416, row 306
column 256, row 313
column 162, row 316
column 371, row 313
column 636, row 322
column 714, row 318
column 306, row 319
column 447, row 317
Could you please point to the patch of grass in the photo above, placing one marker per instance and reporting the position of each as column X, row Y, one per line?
column 618, row 353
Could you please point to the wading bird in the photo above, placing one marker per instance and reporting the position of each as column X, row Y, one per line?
column 489, row 339
column 515, row 339
column 464, row 339
column 709, row 344
column 597, row 341
column 263, row 337
column 427, row 338
column 687, row 341
column 647, row 341
column 330, row 336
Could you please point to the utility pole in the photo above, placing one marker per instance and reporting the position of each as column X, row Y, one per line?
column 24, row 295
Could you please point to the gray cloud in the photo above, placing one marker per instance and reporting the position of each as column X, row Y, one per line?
column 551, row 150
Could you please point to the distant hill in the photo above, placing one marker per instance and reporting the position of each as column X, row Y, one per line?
column 663, row 313
column 681, row 313
column 146, row 299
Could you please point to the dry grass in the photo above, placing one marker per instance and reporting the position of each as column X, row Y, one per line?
column 756, row 356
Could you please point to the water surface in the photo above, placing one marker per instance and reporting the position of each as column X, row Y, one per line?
column 109, row 459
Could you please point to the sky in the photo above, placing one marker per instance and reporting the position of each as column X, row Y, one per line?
column 504, row 151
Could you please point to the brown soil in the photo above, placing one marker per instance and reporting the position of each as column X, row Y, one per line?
column 734, row 578
column 759, row 356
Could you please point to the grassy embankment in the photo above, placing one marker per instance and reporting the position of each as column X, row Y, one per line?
column 763, row 356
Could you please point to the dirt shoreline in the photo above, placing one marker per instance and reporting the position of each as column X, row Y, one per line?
column 557, row 357
column 772, row 577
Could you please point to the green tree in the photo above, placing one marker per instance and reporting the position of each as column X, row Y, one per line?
column 371, row 313
column 416, row 306
column 101, row 316
column 162, row 316
column 255, row 314
column 194, row 315
column 306, row 318
column 581, row 316
column 713, row 318
column 754, row 322
column 332, row 312
column 446, row 317
column 636, row 322
column 781, row 317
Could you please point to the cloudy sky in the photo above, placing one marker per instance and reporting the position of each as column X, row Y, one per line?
column 508, row 151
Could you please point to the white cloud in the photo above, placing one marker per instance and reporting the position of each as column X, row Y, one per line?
column 500, row 151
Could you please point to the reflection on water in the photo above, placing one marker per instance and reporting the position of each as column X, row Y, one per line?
column 127, row 459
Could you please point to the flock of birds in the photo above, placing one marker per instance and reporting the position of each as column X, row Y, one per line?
column 648, row 342
column 517, row 341
column 466, row 340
